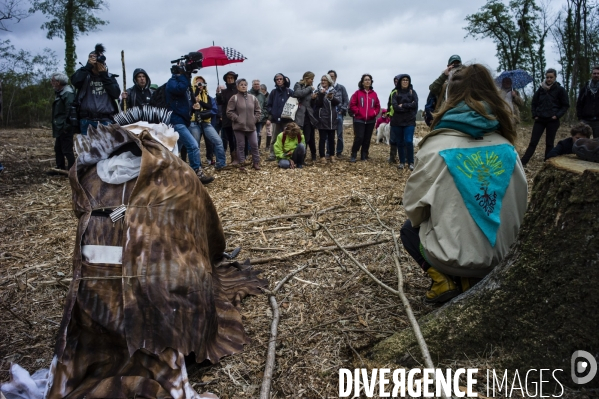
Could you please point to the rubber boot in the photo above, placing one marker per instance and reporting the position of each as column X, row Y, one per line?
column 392, row 154
column 442, row 288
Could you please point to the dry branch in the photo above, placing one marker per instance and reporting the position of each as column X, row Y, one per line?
column 291, row 216
column 270, row 355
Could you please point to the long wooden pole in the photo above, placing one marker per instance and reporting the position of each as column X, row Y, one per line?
column 124, row 78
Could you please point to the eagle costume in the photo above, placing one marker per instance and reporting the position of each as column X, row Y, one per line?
column 147, row 289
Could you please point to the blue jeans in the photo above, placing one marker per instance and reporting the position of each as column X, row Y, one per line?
column 84, row 124
column 403, row 136
column 339, row 134
column 298, row 157
column 212, row 136
column 187, row 140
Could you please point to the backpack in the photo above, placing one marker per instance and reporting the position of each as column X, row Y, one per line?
column 159, row 97
column 429, row 108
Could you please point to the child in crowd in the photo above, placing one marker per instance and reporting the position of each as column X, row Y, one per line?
column 579, row 131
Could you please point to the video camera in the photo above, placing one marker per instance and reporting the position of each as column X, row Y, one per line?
column 187, row 64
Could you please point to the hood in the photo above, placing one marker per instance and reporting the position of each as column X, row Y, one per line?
column 229, row 73
column 400, row 77
column 464, row 119
column 286, row 81
column 137, row 72
column 383, row 110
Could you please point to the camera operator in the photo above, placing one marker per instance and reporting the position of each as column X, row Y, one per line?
column 97, row 91
column 181, row 102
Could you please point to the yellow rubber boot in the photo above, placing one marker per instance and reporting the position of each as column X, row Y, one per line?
column 442, row 288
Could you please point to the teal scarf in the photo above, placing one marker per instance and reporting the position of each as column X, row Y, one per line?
column 464, row 119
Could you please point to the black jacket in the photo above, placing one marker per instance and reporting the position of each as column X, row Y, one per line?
column 562, row 148
column 587, row 106
column 406, row 114
column 83, row 75
column 549, row 103
column 276, row 101
column 325, row 110
column 222, row 99
column 138, row 96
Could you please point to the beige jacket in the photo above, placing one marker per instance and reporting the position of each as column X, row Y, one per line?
column 453, row 243
column 244, row 111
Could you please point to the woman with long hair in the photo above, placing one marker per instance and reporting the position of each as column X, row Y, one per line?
column 304, row 117
column 467, row 196
column 290, row 148
column 325, row 110
column 364, row 106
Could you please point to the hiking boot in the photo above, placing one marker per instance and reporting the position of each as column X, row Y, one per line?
column 442, row 288
column 323, row 160
column 332, row 159
column 401, row 166
column 353, row 158
column 256, row 166
column 203, row 177
column 411, row 166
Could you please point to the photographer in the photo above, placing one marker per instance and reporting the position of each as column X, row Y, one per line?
column 200, row 122
column 97, row 91
column 180, row 101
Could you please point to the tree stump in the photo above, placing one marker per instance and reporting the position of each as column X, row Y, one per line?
column 541, row 303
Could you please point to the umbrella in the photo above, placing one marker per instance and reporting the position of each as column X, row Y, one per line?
column 519, row 78
column 219, row 56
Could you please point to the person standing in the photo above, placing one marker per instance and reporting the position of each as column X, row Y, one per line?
column 275, row 104
column 97, row 91
column 304, row 117
column 549, row 103
column 140, row 93
column 256, row 92
column 61, row 129
column 390, row 111
column 437, row 86
column 202, row 126
column 325, row 109
column 223, row 95
column 341, row 110
column 403, row 121
column 179, row 100
column 364, row 106
column 244, row 112
column 512, row 98
column 587, row 106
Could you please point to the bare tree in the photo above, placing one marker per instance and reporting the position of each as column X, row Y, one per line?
column 10, row 10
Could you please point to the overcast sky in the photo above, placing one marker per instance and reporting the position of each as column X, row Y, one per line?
column 380, row 37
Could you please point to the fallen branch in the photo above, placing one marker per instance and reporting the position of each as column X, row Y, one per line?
column 270, row 354
column 319, row 249
column 291, row 216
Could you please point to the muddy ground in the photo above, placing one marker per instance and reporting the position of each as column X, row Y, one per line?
column 331, row 313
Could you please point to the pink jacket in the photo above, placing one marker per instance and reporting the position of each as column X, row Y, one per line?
column 364, row 106
column 382, row 119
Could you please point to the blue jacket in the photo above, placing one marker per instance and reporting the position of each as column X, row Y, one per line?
column 276, row 101
column 179, row 99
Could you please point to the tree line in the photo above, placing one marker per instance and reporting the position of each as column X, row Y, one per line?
column 521, row 30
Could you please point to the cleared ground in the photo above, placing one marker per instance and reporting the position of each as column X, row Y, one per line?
column 331, row 313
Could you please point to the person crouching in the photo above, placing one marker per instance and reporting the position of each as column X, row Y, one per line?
column 290, row 147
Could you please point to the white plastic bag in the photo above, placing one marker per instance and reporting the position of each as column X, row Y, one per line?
column 119, row 169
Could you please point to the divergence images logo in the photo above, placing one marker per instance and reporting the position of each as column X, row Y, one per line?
column 583, row 363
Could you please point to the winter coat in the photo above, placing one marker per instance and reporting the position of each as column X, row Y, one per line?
column 222, row 99
column 563, row 147
column 326, row 110
column 139, row 96
column 549, row 103
column 179, row 99
column 343, row 106
column 276, row 101
column 364, row 106
column 406, row 114
column 303, row 94
column 587, row 106
column 262, row 101
column 60, row 111
column 106, row 90
column 290, row 144
column 244, row 111
column 451, row 239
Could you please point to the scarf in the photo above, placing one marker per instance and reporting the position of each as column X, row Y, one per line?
column 593, row 86
column 545, row 86
column 464, row 119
